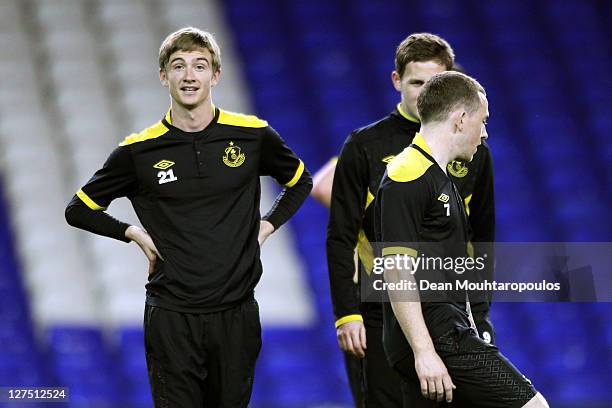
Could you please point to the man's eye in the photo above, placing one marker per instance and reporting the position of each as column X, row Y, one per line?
column 178, row 67
column 200, row 67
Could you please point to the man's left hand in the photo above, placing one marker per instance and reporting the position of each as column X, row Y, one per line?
column 265, row 230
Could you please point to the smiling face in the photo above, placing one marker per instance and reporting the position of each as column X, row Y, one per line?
column 189, row 77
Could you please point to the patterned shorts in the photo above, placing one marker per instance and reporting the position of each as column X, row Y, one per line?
column 482, row 375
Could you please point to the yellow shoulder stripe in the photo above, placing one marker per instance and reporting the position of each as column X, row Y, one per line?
column 349, row 318
column 407, row 166
column 410, row 164
column 238, row 119
column 155, row 131
column 88, row 201
column 296, row 176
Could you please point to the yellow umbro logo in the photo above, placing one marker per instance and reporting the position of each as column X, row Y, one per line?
column 163, row 165
column 444, row 198
column 388, row 158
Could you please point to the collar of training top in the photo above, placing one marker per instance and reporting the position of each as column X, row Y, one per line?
column 167, row 120
column 420, row 144
column 405, row 115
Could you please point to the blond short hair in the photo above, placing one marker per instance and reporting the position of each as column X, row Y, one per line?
column 190, row 39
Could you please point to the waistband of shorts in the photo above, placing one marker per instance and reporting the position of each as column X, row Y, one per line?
column 164, row 304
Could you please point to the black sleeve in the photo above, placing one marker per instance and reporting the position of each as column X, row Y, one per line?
column 349, row 193
column 115, row 179
column 403, row 206
column 482, row 206
column 482, row 222
column 280, row 162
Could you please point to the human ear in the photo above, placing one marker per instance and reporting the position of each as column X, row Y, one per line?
column 215, row 78
column 397, row 81
column 162, row 78
column 459, row 118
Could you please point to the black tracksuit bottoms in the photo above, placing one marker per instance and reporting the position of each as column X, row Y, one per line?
column 202, row 360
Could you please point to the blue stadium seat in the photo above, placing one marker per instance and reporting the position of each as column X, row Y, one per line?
column 80, row 359
column 132, row 368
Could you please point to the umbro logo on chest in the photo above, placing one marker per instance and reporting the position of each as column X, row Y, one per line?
column 165, row 173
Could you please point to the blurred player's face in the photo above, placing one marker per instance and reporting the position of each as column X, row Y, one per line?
column 189, row 77
column 472, row 130
column 411, row 83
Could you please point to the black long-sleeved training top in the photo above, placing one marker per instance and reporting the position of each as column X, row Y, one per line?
column 197, row 194
column 361, row 165
column 418, row 211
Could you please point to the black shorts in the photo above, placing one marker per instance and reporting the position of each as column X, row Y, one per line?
column 354, row 373
column 485, row 328
column 482, row 375
column 382, row 383
column 202, row 360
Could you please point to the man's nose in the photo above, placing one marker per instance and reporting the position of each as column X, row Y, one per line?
column 189, row 74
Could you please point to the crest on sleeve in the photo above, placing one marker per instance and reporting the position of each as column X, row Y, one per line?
column 457, row 168
column 233, row 156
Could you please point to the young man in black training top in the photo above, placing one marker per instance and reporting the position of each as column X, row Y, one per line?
column 193, row 180
column 432, row 341
column 355, row 180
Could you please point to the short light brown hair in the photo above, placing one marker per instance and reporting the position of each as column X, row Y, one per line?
column 190, row 39
column 445, row 92
column 421, row 47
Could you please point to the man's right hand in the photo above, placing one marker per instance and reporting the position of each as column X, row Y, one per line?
column 435, row 381
column 144, row 241
column 352, row 338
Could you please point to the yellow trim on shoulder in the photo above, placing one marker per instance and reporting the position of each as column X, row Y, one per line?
column 399, row 250
column 88, row 201
column 168, row 116
column 296, row 176
column 369, row 199
column 239, row 119
column 466, row 202
column 153, row 132
column 405, row 115
column 409, row 165
column 349, row 318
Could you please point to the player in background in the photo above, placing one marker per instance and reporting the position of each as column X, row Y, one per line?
column 355, row 178
column 432, row 342
column 193, row 180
